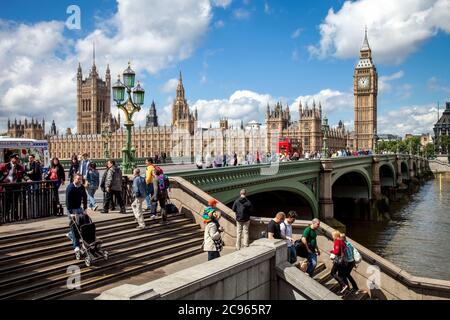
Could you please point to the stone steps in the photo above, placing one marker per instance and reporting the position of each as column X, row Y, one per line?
column 36, row 267
column 323, row 275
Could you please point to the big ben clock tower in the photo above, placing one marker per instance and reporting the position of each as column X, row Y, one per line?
column 365, row 88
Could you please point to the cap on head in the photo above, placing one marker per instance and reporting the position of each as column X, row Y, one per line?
column 212, row 202
column 14, row 155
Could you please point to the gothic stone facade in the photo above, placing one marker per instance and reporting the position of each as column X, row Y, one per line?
column 184, row 138
column 29, row 129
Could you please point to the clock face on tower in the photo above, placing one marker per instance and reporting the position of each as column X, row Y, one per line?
column 363, row 82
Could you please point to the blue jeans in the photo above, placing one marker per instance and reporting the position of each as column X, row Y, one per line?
column 292, row 254
column 312, row 263
column 150, row 204
column 73, row 234
column 91, row 193
column 213, row 255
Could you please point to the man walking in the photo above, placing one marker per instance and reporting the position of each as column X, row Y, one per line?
column 149, row 181
column 140, row 193
column 11, row 173
column 33, row 169
column 243, row 209
column 160, row 187
column 286, row 232
column 273, row 228
column 84, row 166
column 309, row 239
column 75, row 198
column 112, row 184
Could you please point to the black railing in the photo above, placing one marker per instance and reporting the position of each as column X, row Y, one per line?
column 28, row 200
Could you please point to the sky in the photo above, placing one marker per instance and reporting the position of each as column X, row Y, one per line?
column 235, row 56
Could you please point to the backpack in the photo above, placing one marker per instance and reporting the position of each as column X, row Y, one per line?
column 349, row 251
column 163, row 182
column 356, row 255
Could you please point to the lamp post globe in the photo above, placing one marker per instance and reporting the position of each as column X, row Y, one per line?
column 138, row 95
column 118, row 91
column 129, row 76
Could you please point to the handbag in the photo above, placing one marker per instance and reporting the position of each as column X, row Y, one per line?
column 170, row 207
column 219, row 244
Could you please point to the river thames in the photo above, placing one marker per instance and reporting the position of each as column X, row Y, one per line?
column 417, row 238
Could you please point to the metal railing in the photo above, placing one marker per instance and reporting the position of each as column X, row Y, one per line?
column 101, row 163
column 27, row 200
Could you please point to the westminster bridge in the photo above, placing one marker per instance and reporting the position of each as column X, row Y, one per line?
column 317, row 187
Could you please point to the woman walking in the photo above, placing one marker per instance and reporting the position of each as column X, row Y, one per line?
column 57, row 175
column 74, row 167
column 213, row 242
column 351, row 264
column 338, row 255
column 93, row 182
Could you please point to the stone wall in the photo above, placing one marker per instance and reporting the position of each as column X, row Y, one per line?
column 259, row 272
column 381, row 278
column 439, row 166
column 191, row 201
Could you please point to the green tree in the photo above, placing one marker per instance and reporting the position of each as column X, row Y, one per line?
column 445, row 143
column 429, row 150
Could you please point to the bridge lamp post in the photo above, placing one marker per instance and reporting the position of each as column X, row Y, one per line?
column 106, row 135
column 375, row 141
column 325, row 129
column 129, row 107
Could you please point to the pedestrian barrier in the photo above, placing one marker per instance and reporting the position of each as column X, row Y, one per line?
column 27, row 200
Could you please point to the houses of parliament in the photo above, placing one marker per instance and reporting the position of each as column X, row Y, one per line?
column 183, row 137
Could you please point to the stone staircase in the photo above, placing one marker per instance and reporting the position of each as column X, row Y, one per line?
column 323, row 275
column 34, row 265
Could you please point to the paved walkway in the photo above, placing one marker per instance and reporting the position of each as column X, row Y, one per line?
column 149, row 275
column 43, row 224
column 99, row 194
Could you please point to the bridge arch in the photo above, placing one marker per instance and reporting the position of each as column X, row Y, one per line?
column 358, row 171
column 351, row 192
column 387, row 175
column 415, row 168
column 264, row 198
column 404, row 167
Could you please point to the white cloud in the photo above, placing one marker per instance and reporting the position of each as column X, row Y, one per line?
column 267, row 9
column 332, row 101
column 395, row 28
column 415, row 119
column 219, row 24
column 434, row 84
column 383, row 81
column 221, row 3
column 38, row 64
column 241, row 14
column 169, row 86
column 248, row 105
column 296, row 33
column 243, row 105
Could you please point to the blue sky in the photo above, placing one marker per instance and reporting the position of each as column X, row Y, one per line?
column 235, row 56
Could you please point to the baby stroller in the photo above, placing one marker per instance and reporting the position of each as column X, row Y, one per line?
column 91, row 247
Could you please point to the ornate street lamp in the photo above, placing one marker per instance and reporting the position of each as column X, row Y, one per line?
column 325, row 129
column 375, row 141
column 129, row 107
column 106, row 135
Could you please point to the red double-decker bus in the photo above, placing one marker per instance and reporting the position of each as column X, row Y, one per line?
column 288, row 146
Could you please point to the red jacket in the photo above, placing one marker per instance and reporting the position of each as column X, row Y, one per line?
column 18, row 172
column 338, row 246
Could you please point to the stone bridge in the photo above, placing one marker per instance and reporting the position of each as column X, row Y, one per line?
column 317, row 185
